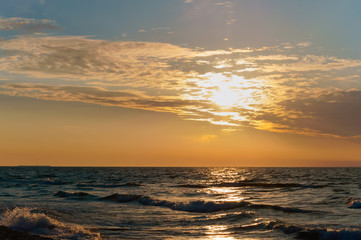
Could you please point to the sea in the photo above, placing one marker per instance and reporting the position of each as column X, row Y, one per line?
column 182, row 203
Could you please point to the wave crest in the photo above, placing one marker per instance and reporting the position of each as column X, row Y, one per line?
column 121, row 198
column 26, row 220
column 75, row 195
column 200, row 206
column 192, row 206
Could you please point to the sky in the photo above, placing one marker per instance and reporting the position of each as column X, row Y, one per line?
column 246, row 83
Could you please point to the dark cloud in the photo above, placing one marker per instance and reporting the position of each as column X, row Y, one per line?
column 337, row 114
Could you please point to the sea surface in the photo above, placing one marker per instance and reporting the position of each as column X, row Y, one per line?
column 182, row 203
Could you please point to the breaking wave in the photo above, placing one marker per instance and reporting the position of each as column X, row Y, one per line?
column 29, row 220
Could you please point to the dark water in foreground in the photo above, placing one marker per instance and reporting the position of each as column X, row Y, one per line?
column 182, row 203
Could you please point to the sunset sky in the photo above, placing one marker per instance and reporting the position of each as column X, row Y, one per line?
column 180, row 83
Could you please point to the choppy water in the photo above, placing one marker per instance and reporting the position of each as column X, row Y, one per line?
column 182, row 203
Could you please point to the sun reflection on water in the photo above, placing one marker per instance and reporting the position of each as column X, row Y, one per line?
column 226, row 175
column 218, row 232
column 227, row 194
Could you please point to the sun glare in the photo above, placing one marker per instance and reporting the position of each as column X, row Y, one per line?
column 225, row 96
column 228, row 93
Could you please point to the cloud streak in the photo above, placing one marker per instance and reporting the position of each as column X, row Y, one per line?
column 27, row 24
column 96, row 95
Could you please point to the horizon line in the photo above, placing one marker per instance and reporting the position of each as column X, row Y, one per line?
column 89, row 166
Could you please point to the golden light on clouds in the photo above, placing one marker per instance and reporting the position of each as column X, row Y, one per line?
column 225, row 96
column 263, row 88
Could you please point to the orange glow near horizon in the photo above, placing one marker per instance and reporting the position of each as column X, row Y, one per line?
column 69, row 137
column 213, row 87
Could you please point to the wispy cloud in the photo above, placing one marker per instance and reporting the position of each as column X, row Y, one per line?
column 79, row 58
column 309, row 63
column 122, row 98
column 27, row 24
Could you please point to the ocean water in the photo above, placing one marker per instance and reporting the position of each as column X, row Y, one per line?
column 182, row 203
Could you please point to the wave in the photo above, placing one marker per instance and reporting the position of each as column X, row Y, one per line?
column 75, row 195
column 200, row 206
column 28, row 220
column 252, row 184
column 279, row 208
column 87, row 185
column 301, row 232
column 192, row 206
column 121, row 198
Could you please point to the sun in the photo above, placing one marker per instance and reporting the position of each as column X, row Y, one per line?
column 228, row 91
column 225, row 96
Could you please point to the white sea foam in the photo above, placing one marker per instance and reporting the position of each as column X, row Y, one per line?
column 26, row 220
column 193, row 206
